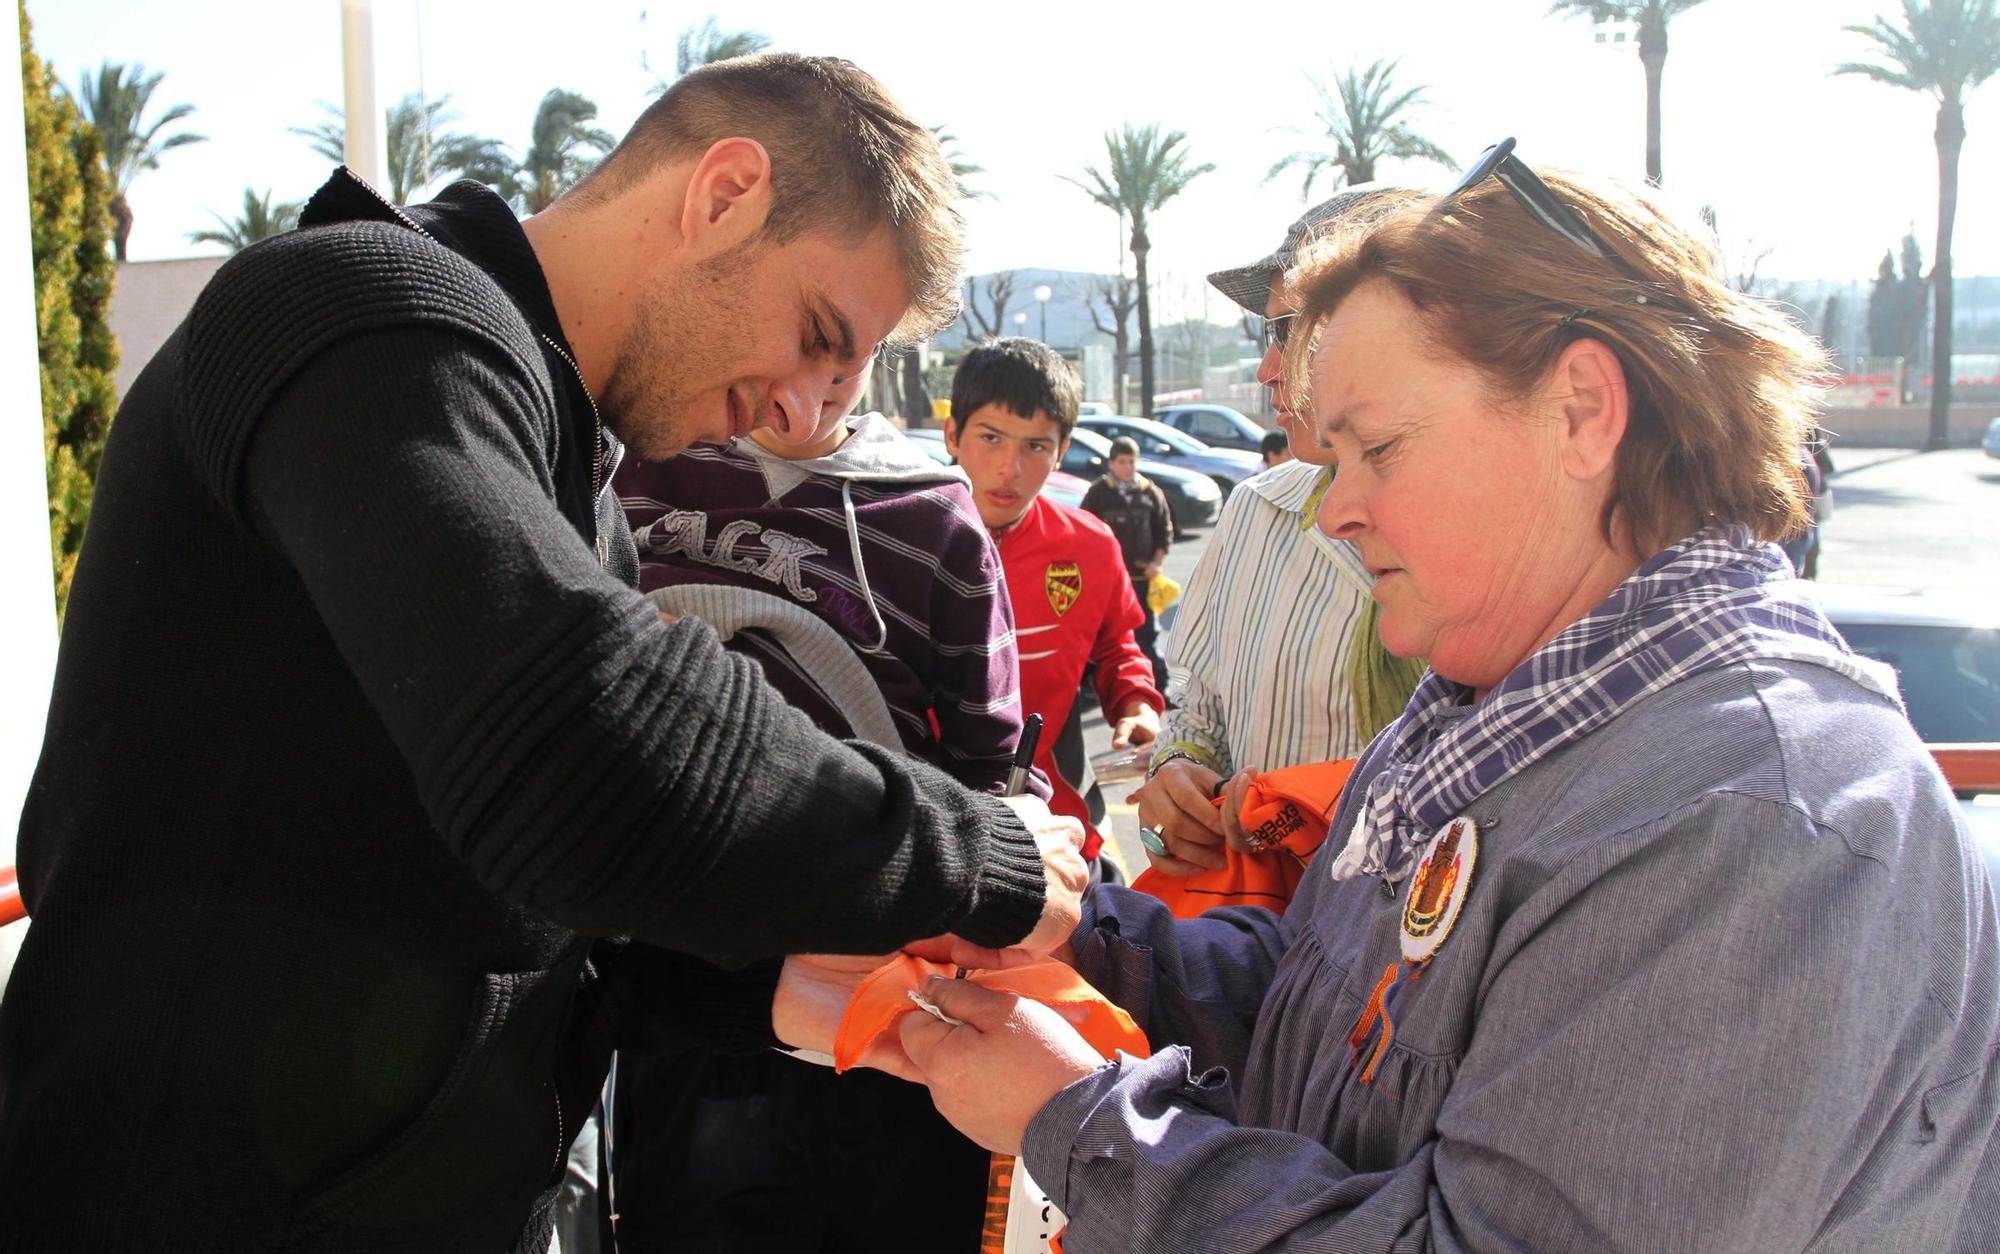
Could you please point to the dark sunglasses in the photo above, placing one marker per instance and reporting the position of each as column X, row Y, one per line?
column 1534, row 195
column 1273, row 333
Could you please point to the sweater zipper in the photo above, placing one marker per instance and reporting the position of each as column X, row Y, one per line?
column 562, row 1147
column 596, row 453
column 596, row 419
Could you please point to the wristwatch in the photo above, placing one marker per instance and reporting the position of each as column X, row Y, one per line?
column 1177, row 752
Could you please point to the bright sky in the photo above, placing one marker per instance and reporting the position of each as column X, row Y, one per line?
column 1825, row 172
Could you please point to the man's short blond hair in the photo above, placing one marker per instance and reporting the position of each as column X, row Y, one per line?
column 845, row 159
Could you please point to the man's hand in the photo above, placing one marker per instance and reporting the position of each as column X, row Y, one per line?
column 1067, row 874
column 991, row 1074
column 1138, row 725
column 813, row 993
column 1178, row 804
column 1061, row 840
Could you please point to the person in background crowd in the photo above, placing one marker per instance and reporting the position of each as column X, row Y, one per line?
column 858, row 574
column 1277, row 629
column 1276, row 449
column 1013, row 406
column 1135, row 509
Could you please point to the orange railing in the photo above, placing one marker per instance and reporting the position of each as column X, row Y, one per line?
column 11, row 906
column 1969, row 768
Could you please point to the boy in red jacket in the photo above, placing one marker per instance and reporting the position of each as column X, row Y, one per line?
column 1013, row 406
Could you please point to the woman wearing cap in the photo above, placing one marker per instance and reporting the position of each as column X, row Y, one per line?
column 1655, row 927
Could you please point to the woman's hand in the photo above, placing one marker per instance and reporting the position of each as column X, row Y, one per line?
column 1231, row 812
column 1178, row 803
column 993, row 1072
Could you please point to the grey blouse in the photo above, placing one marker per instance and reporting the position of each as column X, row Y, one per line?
column 1725, row 978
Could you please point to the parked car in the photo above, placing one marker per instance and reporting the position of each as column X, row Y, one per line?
column 1992, row 441
column 1193, row 498
column 1061, row 487
column 1217, row 426
column 1161, row 443
column 1092, row 409
column 1946, row 651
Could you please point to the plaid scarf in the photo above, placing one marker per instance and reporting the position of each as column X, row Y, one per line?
column 1714, row 599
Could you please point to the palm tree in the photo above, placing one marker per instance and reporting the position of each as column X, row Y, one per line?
column 705, row 42
column 114, row 100
column 420, row 150
column 1144, row 170
column 1652, row 17
column 961, row 169
column 260, row 219
column 562, row 148
column 1365, row 120
column 1945, row 49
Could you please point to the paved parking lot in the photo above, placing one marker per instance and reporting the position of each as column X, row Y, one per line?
column 1914, row 520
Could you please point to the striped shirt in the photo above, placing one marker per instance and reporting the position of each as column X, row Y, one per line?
column 876, row 540
column 1264, row 632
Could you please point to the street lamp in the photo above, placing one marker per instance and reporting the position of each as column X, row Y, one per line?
column 1042, row 295
column 1021, row 323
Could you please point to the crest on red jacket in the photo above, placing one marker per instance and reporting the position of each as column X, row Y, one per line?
column 1063, row 581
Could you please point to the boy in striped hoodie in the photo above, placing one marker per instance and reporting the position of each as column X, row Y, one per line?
column 858, row 574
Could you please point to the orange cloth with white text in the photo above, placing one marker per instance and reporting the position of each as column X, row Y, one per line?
column 1287, row 812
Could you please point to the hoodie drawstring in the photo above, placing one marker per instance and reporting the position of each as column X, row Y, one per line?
column 860, row 567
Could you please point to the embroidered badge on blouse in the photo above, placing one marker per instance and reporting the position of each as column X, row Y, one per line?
column 1437, row 894
column 1438, row 888
column 1063, row 581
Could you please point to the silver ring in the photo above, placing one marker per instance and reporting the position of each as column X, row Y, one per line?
column 1154, row 839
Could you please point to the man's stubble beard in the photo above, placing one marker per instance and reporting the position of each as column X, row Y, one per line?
column 679, row 341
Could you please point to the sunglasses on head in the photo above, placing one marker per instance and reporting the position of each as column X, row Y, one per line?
column 1534, row 196
column 1541, row 204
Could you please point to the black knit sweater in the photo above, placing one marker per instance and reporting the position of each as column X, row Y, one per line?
column 355, row 743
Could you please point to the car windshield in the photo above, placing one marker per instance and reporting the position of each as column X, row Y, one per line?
column 1950, row 675
column 1154, row 440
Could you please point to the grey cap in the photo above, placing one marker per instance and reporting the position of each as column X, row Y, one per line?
column 1250, row 286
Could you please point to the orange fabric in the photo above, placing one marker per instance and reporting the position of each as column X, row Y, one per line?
column 1288, row 811
column 12, row 910
column 884, row 997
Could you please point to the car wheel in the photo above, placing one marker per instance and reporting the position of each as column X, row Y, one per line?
column 1224, row 482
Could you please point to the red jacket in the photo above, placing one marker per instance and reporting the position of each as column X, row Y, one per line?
column 1073, row 605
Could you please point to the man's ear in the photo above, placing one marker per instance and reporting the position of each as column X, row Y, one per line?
column 1589, row 381
column 728, row 196
column 951, row 430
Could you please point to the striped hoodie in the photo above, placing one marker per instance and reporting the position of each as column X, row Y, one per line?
column 876, row 541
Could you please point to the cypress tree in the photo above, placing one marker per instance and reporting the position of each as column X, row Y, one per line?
column 69, row 224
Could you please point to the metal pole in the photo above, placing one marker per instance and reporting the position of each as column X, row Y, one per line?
column 28, row 610
column 363, row 148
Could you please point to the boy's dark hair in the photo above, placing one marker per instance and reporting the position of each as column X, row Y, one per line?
column 1019, row 374
column 1124, row 446
column 1274, row 442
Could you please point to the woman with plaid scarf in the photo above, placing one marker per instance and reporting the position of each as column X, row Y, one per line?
column 1649, row 924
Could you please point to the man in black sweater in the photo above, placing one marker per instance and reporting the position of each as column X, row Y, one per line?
column 361, row 739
